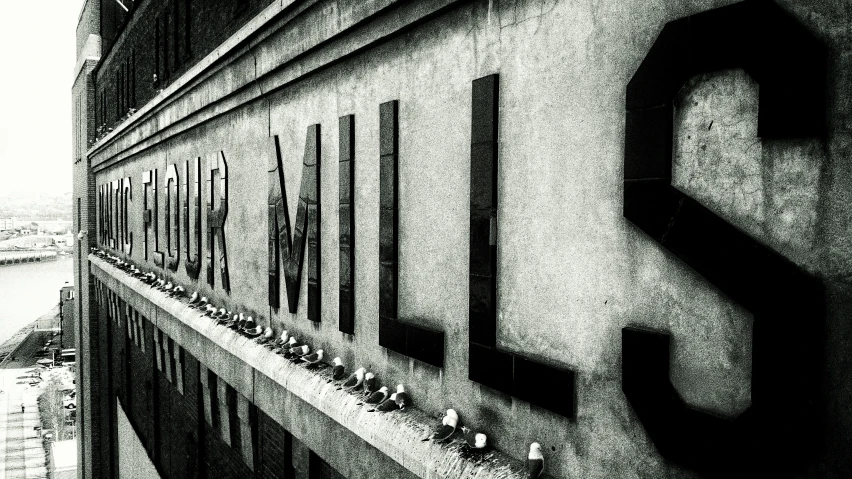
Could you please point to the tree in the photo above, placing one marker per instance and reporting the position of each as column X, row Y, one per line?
column 53, row 414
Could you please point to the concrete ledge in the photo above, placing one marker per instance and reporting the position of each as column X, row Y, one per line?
column 255, row 372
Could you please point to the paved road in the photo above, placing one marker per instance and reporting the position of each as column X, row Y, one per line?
column 25, row 353
column 21, row 450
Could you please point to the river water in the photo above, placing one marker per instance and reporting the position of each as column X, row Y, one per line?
column 30, row 290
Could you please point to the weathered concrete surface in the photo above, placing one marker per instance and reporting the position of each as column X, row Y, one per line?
column 573, row 272
column 133, row 460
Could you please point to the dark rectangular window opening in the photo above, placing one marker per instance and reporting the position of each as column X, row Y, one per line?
column 233, row 418
column 212, row 382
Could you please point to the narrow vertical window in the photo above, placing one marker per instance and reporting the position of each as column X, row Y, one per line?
column 133, row 78
column 187, row 28
column 157, row 72
column 166, row 65
column 117, row 98
column 175, row 24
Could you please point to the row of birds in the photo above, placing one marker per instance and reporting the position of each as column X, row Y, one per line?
column 361, row 383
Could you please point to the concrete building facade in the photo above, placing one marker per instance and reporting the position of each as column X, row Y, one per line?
column 621, row 230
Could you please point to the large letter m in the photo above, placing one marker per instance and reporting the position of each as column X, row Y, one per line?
column 289, row 247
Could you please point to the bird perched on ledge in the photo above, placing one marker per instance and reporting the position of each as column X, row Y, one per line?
column 535, row 461
column 228, row 321
column 299, row 351
column 337, row 371
column 354, row 381
column 446, row 429
column 386, row 406
column 278, row 342
column 241, row 323
column 474, row 441
column 265, row 337
column 369, row 384
column 377, row 397
column 285, row 350
column 250, row 327
column 313, row 360
column 235, row 321
column 253, row 332
column 403, row 400
column 194, row 299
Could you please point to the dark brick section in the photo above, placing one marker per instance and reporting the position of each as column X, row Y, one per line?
column 179, row 420
column 101, row 387
column 113, row 17
column 141, row 378
column 413, row 341
column 169, row 419
column 274, row 449
column 162, row 38
column 488, row 365
column 222, row 460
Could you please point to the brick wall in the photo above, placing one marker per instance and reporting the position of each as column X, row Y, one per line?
column 100, row 388
column 141, row 379
column 163, row 401
column 88, row 22
column 164, row 38
column 178, row 452
column 274, row 449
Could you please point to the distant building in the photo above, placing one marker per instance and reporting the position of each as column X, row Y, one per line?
column 67, row 300
column 66, row 240
column 7, row 224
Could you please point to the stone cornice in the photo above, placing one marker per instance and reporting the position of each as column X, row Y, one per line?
column 245, row 67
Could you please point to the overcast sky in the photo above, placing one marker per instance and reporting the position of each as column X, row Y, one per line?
column 37, row 42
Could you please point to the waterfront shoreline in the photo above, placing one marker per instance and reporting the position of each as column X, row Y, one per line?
column 10, row 346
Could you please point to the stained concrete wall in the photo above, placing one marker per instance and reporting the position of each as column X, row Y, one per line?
column 132, row 458
column 573, row 272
